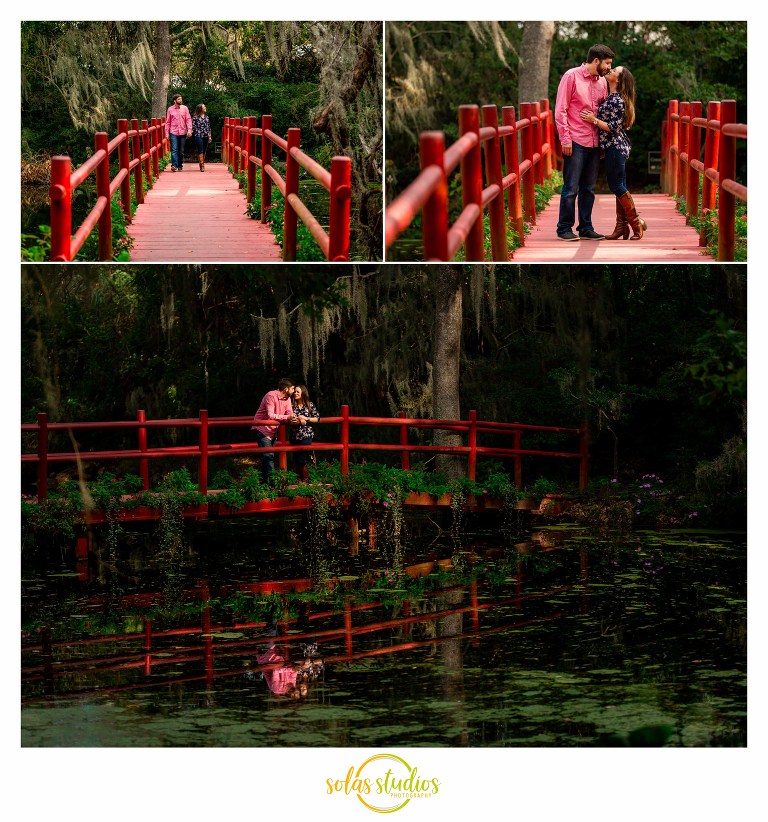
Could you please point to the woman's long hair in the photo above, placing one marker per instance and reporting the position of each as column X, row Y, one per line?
column 199, row 110
column 626, row 89
column 304, row 397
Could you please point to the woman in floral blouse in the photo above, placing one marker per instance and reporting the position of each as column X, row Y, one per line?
column 201, row 130
column 615, row 116
column 302, row 432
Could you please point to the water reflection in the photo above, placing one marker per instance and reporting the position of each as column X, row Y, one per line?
column 561, row 639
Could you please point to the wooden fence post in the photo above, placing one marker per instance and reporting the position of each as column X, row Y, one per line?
column 472, row 182
column 138, row 185
column 251, row 152
column 538, row 141
column 472, row 442
column 141, row 416
column 340, row 205
column 435, row 211
column 497, row 218
column 290, row 222
column 266, row 161
column 685, row 130
column 123, row 154
column 529, row 190
column 549, row 142
column 344, row 440
column 405, row 456
column 711, row 157
column 147, row 153
column 42, row 456
column 60, row 194
column 726, row 214
column 101, row 143
column 694, row 151
column 202, row 471
column 512, row 163
column 673, row 140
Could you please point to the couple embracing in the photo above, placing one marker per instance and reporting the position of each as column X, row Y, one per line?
column 595, row 108
column 179, row 125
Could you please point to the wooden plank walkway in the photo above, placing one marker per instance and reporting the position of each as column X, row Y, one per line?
column 194, row 216
column 668, row 239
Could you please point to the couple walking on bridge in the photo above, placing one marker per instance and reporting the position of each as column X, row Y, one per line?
column 595, row 108
column 288, row 403
column 179, row 125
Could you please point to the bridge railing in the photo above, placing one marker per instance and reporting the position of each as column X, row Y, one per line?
column 683, row 165
column 139, row 149
column 204, row 449
column 529, row 156
column 240, row 139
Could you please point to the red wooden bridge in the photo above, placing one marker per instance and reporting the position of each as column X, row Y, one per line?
column 201, row 452
column 194, row 216
column 512, row 158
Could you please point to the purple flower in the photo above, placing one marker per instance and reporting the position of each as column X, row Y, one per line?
column 614, row 480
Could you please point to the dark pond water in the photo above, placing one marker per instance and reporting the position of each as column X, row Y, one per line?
column 557, row 638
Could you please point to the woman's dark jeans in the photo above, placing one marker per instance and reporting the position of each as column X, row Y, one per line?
column 201, row 143
column 302, row 457
column 579, row 178
column 616, row 171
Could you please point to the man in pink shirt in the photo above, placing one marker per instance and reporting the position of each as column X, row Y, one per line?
column 178, row 126
column 583, row 87
column 274, row 408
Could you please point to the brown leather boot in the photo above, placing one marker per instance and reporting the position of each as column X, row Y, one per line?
column 201, row 160
column 621, row 232
column 638, row 223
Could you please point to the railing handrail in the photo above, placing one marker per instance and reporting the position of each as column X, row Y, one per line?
column 682, row 165
column 428, row 192
column 139, row 149
column 239, row 149
column 204, row 450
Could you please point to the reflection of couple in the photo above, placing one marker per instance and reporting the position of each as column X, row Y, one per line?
column 179, row 125
column 289, row 403
column 595, row 108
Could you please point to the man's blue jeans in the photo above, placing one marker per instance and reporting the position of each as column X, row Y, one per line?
column 267, row 460
column 177, row 149
column 579, row 178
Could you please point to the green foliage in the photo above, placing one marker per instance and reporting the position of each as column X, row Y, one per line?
column 721, row 362
column 36, row 248
column 708, row 221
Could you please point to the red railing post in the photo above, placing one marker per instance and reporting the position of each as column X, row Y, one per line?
column 236, row 140
column 538, row 142
column 435, row 211
column 101, row 143
column 726, row 214
column 341, row 202
column 123, row 155
column 42, row 456
column 472, row 442
column 282, row 439
column 472, row 182
column 138, row 185
column 155, row 143
column 584, row 455
column 549, row 147
column 225, row 141
column 344, row 440
column 711, row 157
column 141, row 416
column 517, row 444
column 529, row 190
column 60, row 194
column 694, row 152
column 202, row 471
column 266, row 161
column 497, row 218
column 251, row 152
column 685, row 130
column 405, row 455
column 291, row 187
column 673, row 140
column 147, row 150
column 512, row 163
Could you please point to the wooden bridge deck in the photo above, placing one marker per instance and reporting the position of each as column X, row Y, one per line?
column 668, row 238
column 194, row 216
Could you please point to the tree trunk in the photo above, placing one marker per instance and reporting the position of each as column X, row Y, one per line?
column 447, row 352
column 162, row 70
column 534, row 60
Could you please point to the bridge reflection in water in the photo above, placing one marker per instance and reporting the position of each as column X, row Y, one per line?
column 563, row 639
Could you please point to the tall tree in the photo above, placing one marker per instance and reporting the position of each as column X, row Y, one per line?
column 535, row 51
